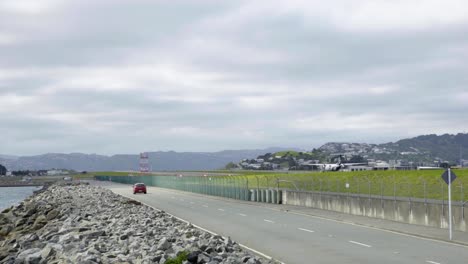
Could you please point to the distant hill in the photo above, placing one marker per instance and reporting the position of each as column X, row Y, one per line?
column 159, row 161
column 426, row 148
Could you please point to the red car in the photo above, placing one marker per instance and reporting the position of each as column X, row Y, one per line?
column 139, row 187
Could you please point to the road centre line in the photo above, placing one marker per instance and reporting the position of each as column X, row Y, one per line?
column 269, row 221
column 432, row 262
column 360, row 244
column 307, row 230
column 221, row 209
column 242, row 214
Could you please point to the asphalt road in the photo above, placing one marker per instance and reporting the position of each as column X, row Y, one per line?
column 293, row 238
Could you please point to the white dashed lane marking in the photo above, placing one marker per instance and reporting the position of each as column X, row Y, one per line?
column 242, row 214
column 269, row 221
column 432, row 262
column 222, row 210
column 306, row 230
column 360, row 244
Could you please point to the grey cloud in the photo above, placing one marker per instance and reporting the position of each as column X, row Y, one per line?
column 115, row 77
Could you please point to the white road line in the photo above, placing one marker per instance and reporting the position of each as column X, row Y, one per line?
column 317, row 217
column 242, row 214
column 192, row 203
column 269, row 221
column 205, row 205
column 221, row 209
column 369, row 227
column 432, row 262
column 307, row 230
column 206, row 230
column 361, row 244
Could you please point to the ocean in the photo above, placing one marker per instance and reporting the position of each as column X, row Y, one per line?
column 14, row 195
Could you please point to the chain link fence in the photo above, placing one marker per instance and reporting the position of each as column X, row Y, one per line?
column 243, row 187
column 235, row 187
column 388, row 187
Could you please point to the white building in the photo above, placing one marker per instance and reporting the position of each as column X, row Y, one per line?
column 56, row 172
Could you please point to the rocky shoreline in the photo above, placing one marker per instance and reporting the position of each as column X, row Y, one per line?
column 80, row 223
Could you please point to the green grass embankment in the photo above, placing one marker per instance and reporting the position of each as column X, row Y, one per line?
column 419, row 184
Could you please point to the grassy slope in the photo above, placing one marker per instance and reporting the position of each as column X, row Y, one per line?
column 421, row 184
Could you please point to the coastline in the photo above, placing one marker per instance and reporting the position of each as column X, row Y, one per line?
column 76, row 223
column 21, row 185
column 11, row 196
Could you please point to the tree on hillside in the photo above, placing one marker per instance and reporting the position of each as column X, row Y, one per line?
column 357, row 159
column 230, row 165
column 3, row 170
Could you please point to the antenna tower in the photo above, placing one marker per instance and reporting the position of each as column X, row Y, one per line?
column 144, row 162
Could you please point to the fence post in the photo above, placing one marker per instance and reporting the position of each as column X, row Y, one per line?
column 425, row 196
column 369, row 186
column 381, row 196
column 320, row 190
column 462, row 201
column 409, row 198
column 443, row 200
column 394, row 197
column 267, row 180
column 278, row 192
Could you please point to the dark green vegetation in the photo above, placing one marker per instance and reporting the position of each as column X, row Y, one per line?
column 181, row 257
column 315, row 154
column 446, row 147
column 3, row 170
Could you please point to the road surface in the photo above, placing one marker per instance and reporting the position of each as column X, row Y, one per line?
column 293, row 238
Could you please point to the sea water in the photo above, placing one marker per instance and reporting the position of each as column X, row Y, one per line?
column 14, row 195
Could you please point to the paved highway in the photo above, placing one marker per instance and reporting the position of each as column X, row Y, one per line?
column 294, row 238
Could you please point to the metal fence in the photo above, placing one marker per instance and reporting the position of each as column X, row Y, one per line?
column 421, row 189
column 235, row 187
column 244, row 187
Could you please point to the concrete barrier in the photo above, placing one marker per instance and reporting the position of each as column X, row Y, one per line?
column 268, row 196
column 253, row 195
column 274, row 196
column 420, row 212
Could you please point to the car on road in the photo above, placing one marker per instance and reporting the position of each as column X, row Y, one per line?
column 139, row 187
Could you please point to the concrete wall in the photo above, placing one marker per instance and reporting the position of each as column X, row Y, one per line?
column 420, row 212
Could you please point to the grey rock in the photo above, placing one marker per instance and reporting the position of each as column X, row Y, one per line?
column 203, row 258
column 192, row 257
column 47, row 252
column 5, row 230
column 87, row 224
column 21, row 258
column 52, row 214
column 164, row 244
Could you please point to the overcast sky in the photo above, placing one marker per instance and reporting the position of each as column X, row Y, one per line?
column 114, row 76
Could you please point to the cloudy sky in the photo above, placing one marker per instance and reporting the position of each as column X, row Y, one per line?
column 115, row 76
